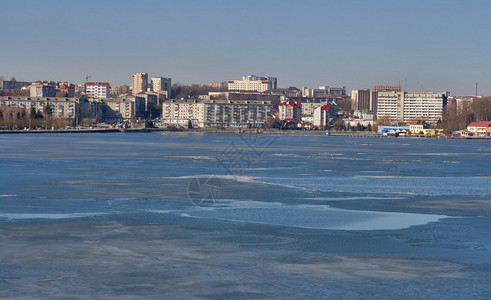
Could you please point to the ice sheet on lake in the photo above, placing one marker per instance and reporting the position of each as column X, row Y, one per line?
column 309, row 216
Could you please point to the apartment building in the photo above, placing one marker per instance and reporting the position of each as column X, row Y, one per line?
column 13, row 84
column 323, row 90
column 42, row 89
column 253, row 83
column 123, row 108
column 410, row 106
column 140, row 83
column 59, row 107
column 98, row 89
column 161, row 84
column 218, row 112
column 321, row 116
column 290, row 110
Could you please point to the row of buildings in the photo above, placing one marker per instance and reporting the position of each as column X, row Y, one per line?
column 110, row 109
column 246, row 113
column 387, row 103
column 254, row 83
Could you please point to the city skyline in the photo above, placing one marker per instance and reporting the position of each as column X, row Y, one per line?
column 436, row 46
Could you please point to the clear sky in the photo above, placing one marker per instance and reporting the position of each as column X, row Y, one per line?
column 435, row 45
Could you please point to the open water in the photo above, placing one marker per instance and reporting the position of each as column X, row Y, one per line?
column 223, row 216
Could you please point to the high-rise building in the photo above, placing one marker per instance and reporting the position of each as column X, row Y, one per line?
column 98, row 89
column 360, row 99
column 161, row 84
column 140, row 83
column 253, row 83
column 321, row 116
column 409, row 106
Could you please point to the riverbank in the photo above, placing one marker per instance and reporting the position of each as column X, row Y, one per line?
column 95, row 130
column 233, row 131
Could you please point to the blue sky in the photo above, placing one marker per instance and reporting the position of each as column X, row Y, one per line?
column 435, row 45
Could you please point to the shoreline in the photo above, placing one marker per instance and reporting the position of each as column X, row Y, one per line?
column 234, row 131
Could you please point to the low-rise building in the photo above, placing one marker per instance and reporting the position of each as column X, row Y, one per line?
column 482, row 128
column 429, row 131
column 416, row 128
column 360, row 117
column 465, row 133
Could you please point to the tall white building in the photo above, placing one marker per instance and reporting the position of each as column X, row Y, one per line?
column 140, row 83
column 321, row 116
column 161, row 84
column 409, row 106
column 98, row 89
column 253, row 83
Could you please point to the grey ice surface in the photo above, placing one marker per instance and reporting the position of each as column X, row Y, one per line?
column 195, row 216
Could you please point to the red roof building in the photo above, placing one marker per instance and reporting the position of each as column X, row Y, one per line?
column 482, row 128
column 290, row 110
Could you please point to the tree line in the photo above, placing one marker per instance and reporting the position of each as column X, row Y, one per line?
column 19, row 118
column 456, row 117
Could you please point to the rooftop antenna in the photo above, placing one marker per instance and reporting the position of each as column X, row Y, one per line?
column 405, row 84
column 476, row 89
column 86, row 81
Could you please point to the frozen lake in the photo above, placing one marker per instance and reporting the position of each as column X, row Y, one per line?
column 220, row 216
